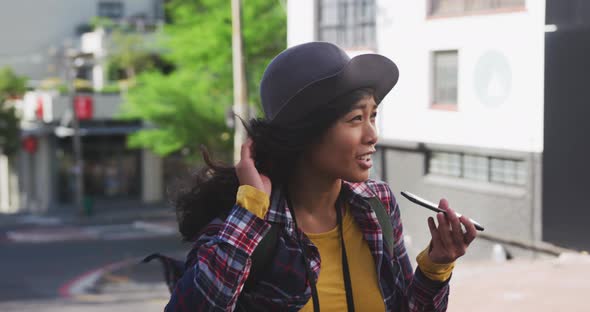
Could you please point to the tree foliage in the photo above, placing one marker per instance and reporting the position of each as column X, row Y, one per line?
column 188, row 106
column 12, row 86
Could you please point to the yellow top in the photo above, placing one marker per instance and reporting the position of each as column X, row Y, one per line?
column 363, row 274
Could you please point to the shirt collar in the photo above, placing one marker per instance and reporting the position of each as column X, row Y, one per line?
column 356, row 194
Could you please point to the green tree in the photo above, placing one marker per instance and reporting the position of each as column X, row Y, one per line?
column 188, row 106
column 11, row 86
column 129, row 52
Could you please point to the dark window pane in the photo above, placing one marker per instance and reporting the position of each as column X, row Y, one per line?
column 348, row 23
column 110, row 9
column 445, row 77
column 452, row 7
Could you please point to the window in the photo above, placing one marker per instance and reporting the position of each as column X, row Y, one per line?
column 110, row 9
column 463, row 7
column 347, row 23
column 444, row 78
column 477, row 167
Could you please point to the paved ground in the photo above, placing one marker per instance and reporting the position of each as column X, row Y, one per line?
column 549, row 285
column 543, row 285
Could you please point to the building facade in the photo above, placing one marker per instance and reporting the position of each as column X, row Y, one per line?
column 42, row 178
column 466, row 119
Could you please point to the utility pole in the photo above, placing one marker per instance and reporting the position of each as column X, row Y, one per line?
column 71, row 69
column 240, row 107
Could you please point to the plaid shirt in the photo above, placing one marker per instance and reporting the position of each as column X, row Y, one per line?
column 219, row 263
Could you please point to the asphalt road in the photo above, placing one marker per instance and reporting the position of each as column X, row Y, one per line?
column 36, row 271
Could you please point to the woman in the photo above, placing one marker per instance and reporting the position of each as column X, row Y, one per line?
column 305, row 171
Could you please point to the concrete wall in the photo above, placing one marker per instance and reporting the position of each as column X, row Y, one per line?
column 512, row 212
column 567, row 150
column 301, row 21
column 503, row 110
column 55, row 106
column 152, row 177
column 500, row 73
column 36, row 177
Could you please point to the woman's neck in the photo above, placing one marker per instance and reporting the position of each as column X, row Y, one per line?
column 314, row 198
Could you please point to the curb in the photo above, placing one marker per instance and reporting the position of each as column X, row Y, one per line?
column 83, row 283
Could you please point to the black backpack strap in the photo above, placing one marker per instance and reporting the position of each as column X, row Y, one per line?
column 384, row 222
column 173, row 268
column 262, row 256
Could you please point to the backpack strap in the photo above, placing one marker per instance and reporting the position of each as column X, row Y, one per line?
column 384, row 222
column 262, row 256
column 173, row 268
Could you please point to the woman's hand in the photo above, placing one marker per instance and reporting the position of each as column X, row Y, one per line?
column 448, row 240
column 247, row 172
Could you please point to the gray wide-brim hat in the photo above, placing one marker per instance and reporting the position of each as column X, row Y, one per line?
column 308, row 76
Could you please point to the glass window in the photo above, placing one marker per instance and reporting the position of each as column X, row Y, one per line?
column 475, row 167
column 348, row 23
column 445, row 163
column 459, row 7
column 445, row 77
column 508, row 171
column 478, row 167
column 110, row 9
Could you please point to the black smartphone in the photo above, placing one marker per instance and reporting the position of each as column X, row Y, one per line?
column 424, row 203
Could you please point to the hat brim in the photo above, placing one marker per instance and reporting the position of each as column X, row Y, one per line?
column 363, row 71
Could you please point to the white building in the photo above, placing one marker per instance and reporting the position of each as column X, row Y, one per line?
column 465, row 121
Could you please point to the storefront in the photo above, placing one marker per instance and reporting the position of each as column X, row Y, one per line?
column 114, row 176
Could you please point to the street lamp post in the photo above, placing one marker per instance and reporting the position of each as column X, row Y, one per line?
column 75, row 60
column 76, row 139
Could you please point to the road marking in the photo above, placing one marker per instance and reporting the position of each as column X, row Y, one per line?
column 81, row 284
column 135, row 230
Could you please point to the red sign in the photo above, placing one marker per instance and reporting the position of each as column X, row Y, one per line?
column 83, row 107
column 30, row 144
column 39, row 108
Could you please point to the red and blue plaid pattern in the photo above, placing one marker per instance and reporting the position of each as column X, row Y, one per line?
column 219, row 262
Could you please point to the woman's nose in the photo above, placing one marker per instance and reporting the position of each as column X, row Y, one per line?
column 371, row 135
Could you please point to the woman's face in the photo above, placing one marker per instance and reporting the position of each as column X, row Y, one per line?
column 345, row 151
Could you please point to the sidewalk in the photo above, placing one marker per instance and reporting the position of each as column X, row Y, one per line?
column 544, row 285
column 548, row 285
column 103, row 213
column 119, row 220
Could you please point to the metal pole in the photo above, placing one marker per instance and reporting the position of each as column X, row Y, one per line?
column 76, row 139
column 240, row 106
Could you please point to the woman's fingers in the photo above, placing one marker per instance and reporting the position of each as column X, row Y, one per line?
column 436, row 240
column 248, row 173
column 456, row 230
column 246, row 151
column 470, row 232
column 444, row 230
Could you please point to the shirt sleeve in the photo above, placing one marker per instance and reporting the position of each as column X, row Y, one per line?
column 421, row 293
column 254, row 200
column 434, row 271
column 219, row 263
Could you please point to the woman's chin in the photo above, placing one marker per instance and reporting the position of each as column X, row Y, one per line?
column 357, row 177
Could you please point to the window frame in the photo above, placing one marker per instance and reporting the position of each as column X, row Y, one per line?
column 518, row 180
column 346, row 26
column 434, row 102
column 111, row 3
column 487, row 11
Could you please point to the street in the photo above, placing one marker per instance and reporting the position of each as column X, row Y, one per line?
column 65, row 266
column 103, row 275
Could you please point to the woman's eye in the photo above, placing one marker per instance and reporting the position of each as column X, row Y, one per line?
column 357, row 117
column 374, row 115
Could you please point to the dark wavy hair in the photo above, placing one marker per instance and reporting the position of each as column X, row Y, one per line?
column 210, row 192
